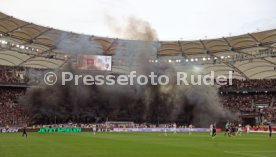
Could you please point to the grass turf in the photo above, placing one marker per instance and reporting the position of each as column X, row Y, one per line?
column 134, row 145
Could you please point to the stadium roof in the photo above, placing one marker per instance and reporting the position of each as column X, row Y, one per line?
column 45, row 41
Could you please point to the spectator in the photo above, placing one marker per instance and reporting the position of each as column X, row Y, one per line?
column 10, row 112
column 11, row 75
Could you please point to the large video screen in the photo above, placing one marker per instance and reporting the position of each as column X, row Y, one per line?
column 94, row 62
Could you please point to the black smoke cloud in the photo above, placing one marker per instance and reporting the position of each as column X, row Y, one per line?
column 198, row 105
column 186, row 104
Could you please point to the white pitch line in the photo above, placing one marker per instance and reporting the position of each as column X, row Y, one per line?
column 248, row 153
column 261, row 151
column 245, row 154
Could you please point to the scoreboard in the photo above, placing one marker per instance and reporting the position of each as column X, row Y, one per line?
column 94, row 62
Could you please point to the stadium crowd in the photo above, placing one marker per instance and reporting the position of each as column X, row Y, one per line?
column 248, row 103
column 10, row 75
column 12, row 114
column 251, row 84
column 237, row 102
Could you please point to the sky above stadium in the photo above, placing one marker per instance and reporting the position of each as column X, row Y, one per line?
column 172, row 19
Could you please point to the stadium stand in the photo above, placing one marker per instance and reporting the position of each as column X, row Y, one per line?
column 12, row 75
column 251, row 57
column 12, row 114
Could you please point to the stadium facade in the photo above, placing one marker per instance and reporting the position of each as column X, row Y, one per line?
column 26, row 48
column 250, row 56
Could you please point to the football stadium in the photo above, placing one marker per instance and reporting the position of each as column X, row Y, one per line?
column 66, row 94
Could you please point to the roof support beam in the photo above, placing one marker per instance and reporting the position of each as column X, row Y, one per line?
column 269, row 61
column 11, row 31
column 236, row 69
column 204, row 46
column 111, row 45
column 7, row 54
column 233, row 67
column 206, row 50
column 58, row 42
column 228, row 43
column 26, row 60
column 255, row 39
column 35, row 37
column 181, row 50
column 41, row 33
column 8, row 61
column 62, row 64
column 158, row 50
column 4, row 18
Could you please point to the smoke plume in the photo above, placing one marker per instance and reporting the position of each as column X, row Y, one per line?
column 185, row 104
column 134, row 28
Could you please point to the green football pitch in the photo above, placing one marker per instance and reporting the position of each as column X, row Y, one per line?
column 135, row 145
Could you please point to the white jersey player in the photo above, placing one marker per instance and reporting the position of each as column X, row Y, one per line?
column 94, row 128
column 165, row 130
column 239, row 131
column 248, row 129
column 190, row 129
column 174, row 128
column 211, row 129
